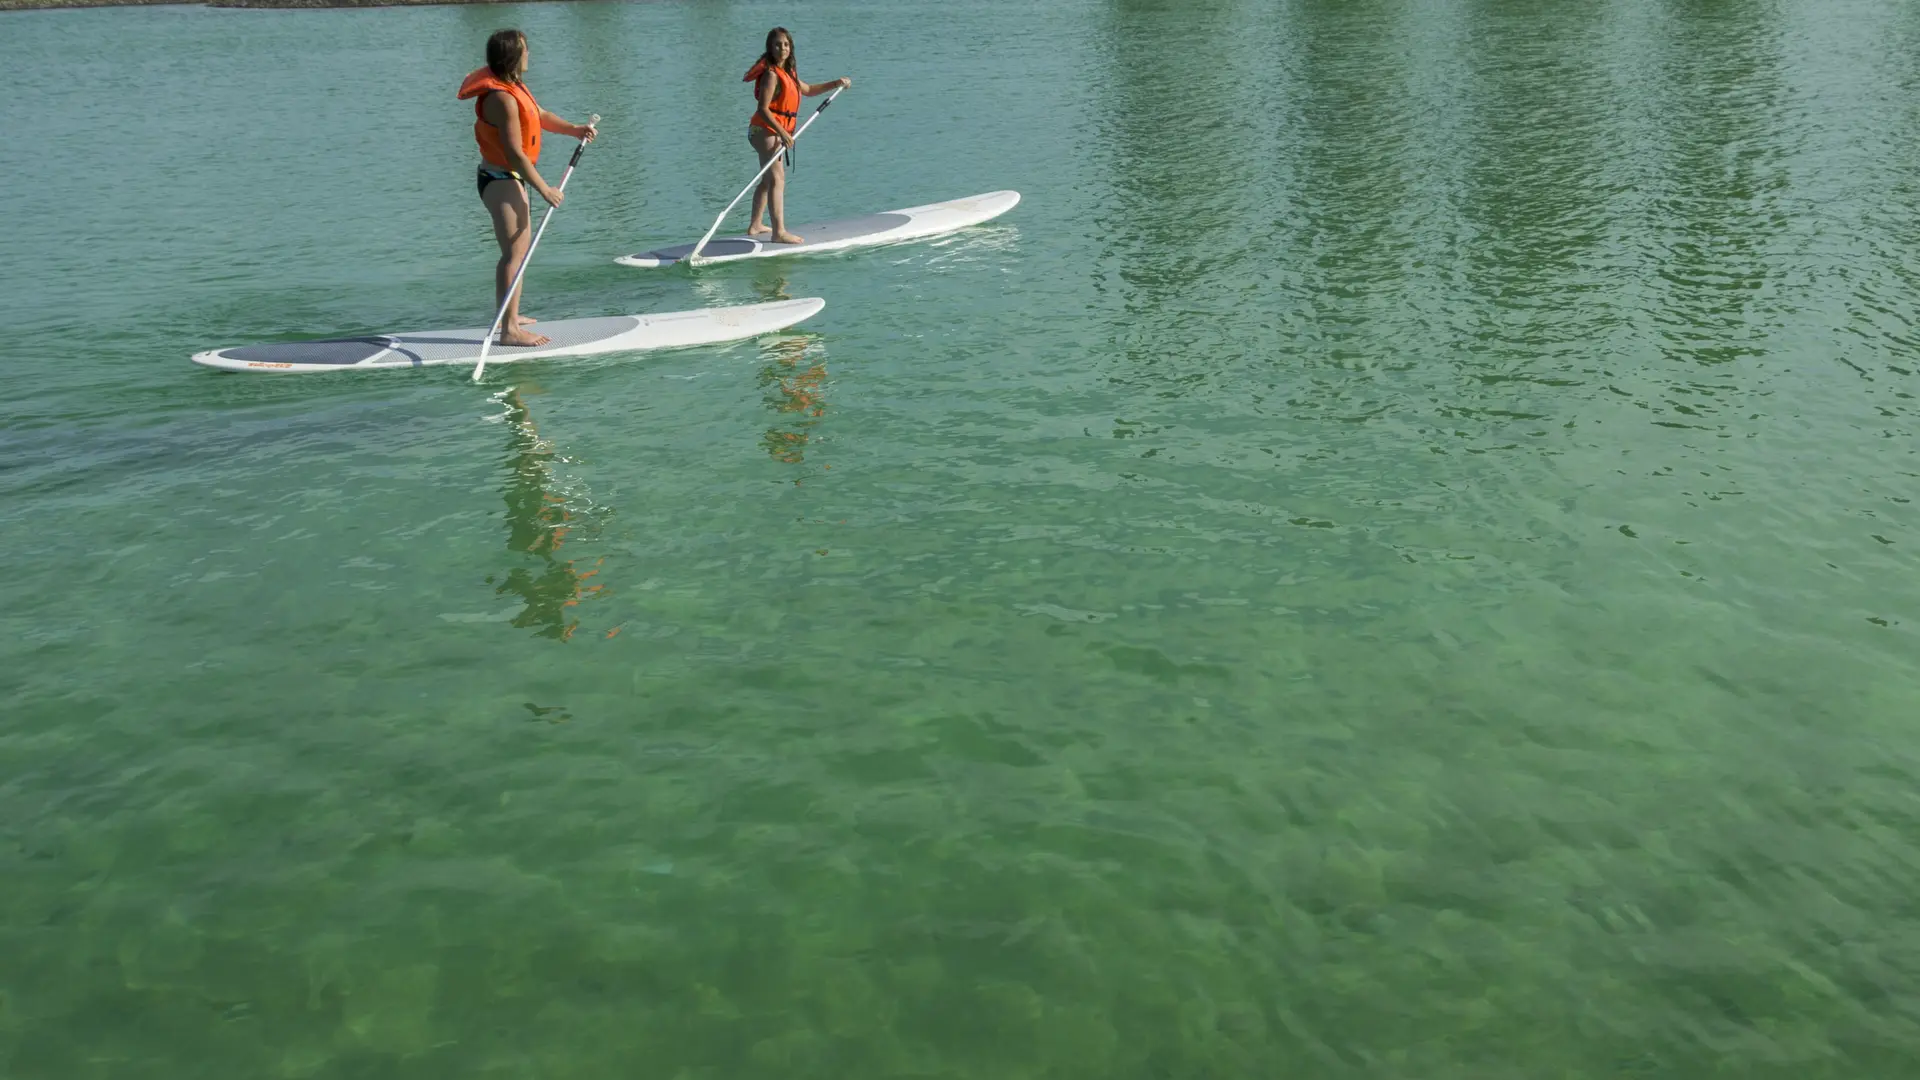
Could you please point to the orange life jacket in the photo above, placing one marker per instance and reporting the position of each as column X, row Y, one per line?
column 492, row 151
column 785, row 105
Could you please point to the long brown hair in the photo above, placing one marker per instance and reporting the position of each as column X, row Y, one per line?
column 505, row 50
column 793, row 54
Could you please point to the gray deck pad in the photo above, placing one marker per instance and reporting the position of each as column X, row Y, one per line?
column 824, row 232
column 434, row 346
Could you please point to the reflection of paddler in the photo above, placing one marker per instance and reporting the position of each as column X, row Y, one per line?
column 770, row 280
column 537, row 524
column 799, row 392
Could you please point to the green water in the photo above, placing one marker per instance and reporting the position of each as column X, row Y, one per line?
column 1396, row 560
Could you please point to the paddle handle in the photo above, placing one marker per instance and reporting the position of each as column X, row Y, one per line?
column 487, row 342
column 693, row 257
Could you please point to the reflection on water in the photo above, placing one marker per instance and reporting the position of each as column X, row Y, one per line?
column 539, row 517
column 795, row 378
column 769, row 281
column 1726, row 128
column 981, row 243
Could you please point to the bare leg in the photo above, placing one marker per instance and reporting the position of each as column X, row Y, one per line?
column 766, row 146
column 771, row 194
column 754, row 227
column 777, row 204
column 512, row 226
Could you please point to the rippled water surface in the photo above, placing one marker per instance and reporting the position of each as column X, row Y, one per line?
column 1397, row 560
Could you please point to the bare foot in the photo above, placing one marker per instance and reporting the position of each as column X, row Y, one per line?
column 758, row 230
column 527, row 320
column 785, row 237
column 522, row 338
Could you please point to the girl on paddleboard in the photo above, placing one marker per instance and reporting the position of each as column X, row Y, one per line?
column 507, row 124
column 778, row 89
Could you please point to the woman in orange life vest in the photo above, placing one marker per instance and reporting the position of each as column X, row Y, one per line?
column 778, row 89
column 507, row 124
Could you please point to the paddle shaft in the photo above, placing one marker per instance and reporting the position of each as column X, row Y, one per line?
column 693, row 257
column 507, row 300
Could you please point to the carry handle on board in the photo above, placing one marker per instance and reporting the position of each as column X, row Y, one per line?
column 693, row 257
column 487, row 343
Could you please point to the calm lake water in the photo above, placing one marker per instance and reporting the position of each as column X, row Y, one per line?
column 1397, row 560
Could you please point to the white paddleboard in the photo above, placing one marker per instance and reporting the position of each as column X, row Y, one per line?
column 570, row 337
column 913, row 223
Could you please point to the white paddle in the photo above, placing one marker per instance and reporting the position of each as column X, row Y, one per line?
column 592, row 121
column 693, row 258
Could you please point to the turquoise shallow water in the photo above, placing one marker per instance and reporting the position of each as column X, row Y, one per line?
column 1396, row 560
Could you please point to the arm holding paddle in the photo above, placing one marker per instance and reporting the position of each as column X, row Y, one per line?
column 501, row 112
column 550, row 122
column 769, row 85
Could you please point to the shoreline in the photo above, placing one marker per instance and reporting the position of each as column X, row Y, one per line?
column 54, row 5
